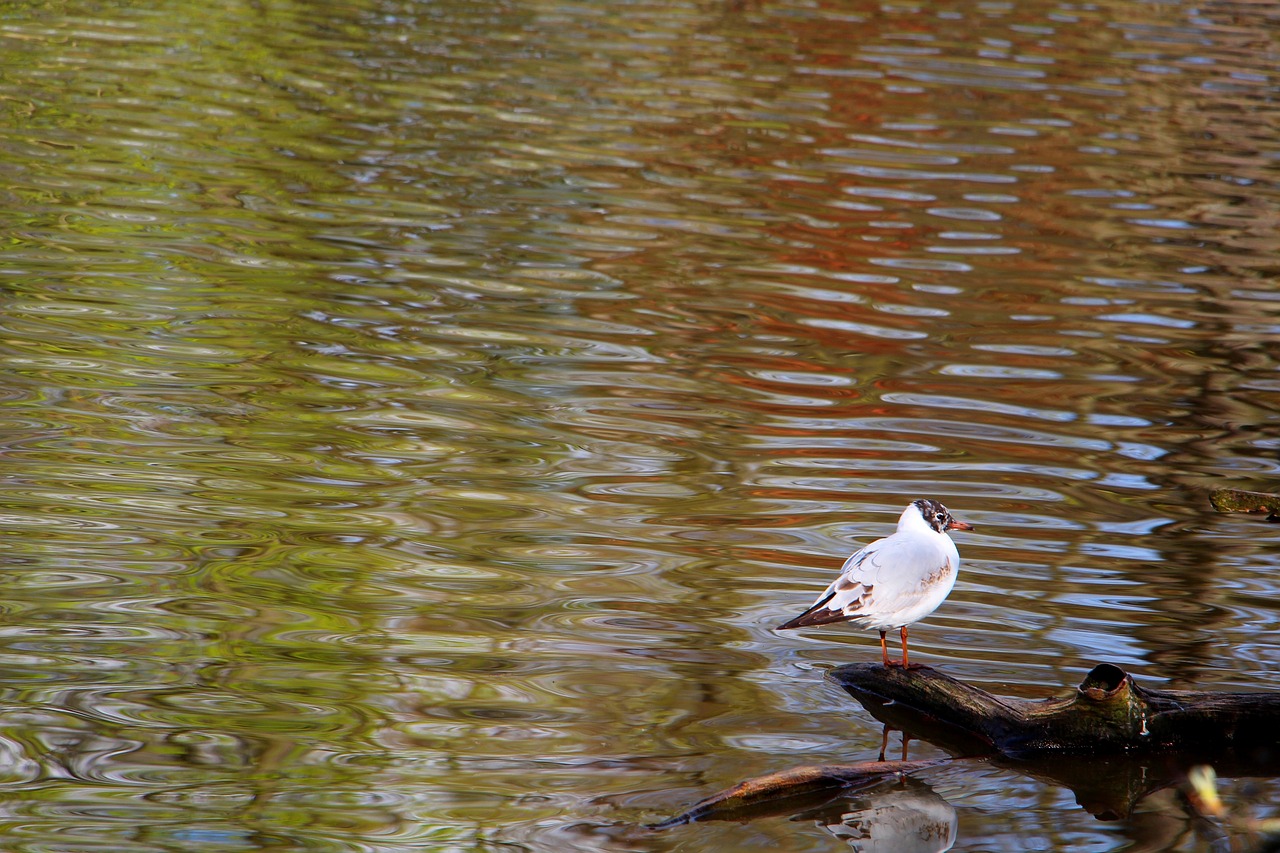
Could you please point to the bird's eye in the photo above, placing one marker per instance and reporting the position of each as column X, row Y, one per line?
column 940, row 516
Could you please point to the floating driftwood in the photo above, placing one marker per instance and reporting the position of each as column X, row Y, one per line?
column 1238, row 500
column 1112, row 742
column 872, row 806
column 791, row 791
column 1108, row 715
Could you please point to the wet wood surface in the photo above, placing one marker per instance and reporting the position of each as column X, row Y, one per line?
column 1239, row 500
column 1107, row 714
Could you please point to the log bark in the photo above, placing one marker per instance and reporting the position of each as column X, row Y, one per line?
column 1107, row 715
column 1111, row 742
column 791, row 791
column 1238, row 500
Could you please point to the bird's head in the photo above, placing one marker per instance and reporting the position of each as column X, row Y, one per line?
column 938, row 516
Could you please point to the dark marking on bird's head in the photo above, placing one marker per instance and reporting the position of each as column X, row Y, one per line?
column 939, row 517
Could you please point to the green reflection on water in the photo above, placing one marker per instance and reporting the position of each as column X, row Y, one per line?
column 417, row 414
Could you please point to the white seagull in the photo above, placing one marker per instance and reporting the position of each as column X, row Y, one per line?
column 896, row 581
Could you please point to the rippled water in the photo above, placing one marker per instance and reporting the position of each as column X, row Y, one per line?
column 418, row 416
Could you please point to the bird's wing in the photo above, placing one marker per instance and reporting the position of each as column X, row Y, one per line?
column 887, row 574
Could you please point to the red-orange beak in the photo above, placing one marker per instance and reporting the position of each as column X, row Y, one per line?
column 959, row 525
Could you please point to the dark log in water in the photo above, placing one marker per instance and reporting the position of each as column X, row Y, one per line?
column 1238, row 500
column 791, row 791
column 1111, row 742
column 1108, row 715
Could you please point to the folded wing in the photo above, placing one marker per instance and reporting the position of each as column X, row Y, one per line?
column 882, row 580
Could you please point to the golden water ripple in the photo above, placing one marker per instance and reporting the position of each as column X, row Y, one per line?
column 418, row 419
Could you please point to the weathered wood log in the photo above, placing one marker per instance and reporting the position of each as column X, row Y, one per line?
column 1111, row 742
column 1238, row 500
column 791, row 791
column 1108, row 715
column 1109, row 787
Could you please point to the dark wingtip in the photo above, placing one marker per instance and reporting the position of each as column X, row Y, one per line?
column 810, row 618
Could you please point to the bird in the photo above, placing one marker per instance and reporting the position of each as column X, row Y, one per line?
column 895, row 581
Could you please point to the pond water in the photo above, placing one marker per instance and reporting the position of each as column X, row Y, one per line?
column 418, row 416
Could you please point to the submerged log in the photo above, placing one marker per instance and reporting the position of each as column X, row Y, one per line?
column 791, row 791
column 1108, row 715
column 1238, row 500
column 1112, row 743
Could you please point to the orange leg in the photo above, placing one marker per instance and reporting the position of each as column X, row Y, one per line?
column 884, row 649
column 904, row 647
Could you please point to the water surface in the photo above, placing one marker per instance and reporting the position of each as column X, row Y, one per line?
column 418, row 416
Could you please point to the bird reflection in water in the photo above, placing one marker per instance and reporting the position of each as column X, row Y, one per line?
column 884, row 742
column 901, row 816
